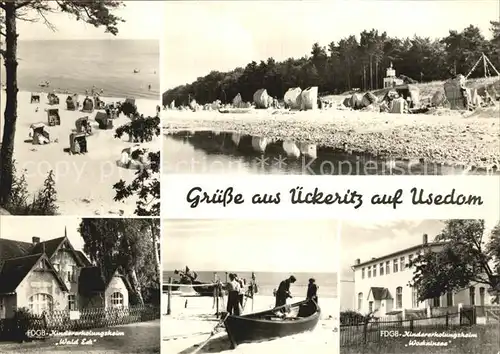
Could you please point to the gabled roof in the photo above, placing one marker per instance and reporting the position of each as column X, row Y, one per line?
column 91, row 280
column 14, row 270
column 380, row 293
column 51, row 246
column 12, row 249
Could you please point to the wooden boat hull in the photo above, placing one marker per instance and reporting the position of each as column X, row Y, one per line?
column 207, row 290
column 259, row 327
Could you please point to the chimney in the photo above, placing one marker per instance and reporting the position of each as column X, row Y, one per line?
column 35, row 240
column 424, row 239
column 358, row 261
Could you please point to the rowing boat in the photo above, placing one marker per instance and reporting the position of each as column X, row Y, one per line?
column 204, row 290
column 279, row 322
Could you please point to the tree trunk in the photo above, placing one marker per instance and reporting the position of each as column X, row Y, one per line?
column 364, row 77
column 371, row 73
column 156, row 251
column 134, row 282
column 10, row 115
column 376, row 74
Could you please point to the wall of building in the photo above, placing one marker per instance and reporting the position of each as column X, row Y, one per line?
column 391, row 281
column 116, row 285
column 64, row 261
column 43, row 282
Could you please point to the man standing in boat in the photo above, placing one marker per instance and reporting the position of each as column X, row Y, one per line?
column 283, row 292
column 312, row 290
column 233, row 292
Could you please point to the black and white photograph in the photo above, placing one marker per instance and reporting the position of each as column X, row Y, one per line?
column 331, row 87
column 79, row 285
column 238, row 286
column 80, row 102
column 420, row 286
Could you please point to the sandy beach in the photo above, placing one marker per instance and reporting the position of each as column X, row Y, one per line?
column 470, row 139
column 83, row 182
column 187, row 327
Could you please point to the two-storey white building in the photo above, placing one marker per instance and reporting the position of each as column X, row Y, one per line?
column 382, row 284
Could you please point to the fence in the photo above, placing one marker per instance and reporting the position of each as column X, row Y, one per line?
column 16, row 328
column 375, row 330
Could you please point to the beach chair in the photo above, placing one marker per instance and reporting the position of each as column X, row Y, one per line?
column 104, row 121
column 78, row 143
column 71, row 104
column 88, row 105
column 83, row 126
column 39, row 134
column 53, row 99
column 53, row 117
column 98, row 103
column 35, row 98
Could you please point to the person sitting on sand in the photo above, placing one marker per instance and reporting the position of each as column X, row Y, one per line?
column 283, row 292
column 233, row 290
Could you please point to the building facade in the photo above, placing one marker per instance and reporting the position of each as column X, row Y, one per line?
column 52, row 275
column 382, row 285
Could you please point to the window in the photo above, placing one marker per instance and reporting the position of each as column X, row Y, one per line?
column 395, row 266
column 410, row 258
column 381, row 269
column 360, row 301
column 116, row 299
column 481, row 296
column 388, row 267
column 449, row 298
column 399, row 297
column 370, row 306
column 374, row 270
column 472, row 295
column 369, row 272
column 72, row 302
column 414, row 297
column 39, row 303
column 402, row 264
column 362, row 273
column 436, row 302
column 56, row 266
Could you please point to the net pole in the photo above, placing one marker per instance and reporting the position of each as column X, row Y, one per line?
column 169, row 295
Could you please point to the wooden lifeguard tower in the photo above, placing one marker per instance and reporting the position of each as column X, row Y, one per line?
column 390, row 79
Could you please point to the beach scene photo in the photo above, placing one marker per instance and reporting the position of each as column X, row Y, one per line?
column 420, row 286
column 249, row 286
column 79, row 121
column 79, row 285
column 372, row 92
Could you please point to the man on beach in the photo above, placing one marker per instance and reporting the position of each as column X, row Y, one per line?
column 233, row 291
column 283, row 292
column 312, row 290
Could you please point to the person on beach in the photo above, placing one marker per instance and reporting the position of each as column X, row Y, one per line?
column 283, row 292
column 233, row 291
column 241, row 293
column 312, row 290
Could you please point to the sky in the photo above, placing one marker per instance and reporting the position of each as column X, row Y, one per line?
column 24, row 228
column 222, row 35
column 245, row 245
column 368, row 238
column 143, row 21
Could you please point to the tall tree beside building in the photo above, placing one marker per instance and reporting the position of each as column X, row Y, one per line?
column 471, row 255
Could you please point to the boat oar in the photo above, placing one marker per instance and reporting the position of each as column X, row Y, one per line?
column 213, row 333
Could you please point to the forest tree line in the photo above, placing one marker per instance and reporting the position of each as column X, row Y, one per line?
column 350, row 63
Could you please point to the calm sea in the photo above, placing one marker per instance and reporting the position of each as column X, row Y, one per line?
column 78, row 65
column 267, row 281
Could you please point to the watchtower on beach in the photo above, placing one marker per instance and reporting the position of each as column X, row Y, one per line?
column 390, row 79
